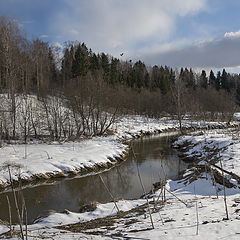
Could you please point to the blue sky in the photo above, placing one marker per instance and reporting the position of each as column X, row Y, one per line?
column 172, row 32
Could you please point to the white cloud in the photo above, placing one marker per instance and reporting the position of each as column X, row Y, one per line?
column 232, row 34
column 121, row 25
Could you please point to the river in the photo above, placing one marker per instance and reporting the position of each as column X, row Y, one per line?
column 155, row 160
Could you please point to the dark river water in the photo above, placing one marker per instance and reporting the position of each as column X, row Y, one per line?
column 155, row 158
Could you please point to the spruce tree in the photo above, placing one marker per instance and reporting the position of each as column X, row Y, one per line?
column 218, row 81
column 155, row 78
column 187, row 77
column 80, row 64
column 212, row 79
column 105, row 63
column 238, row 94
column 94, row 62
column 114, row 75
column 139, row 77
column 225, row 81
column 203, row 79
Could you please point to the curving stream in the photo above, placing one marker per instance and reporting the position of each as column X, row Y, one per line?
column 155, row 158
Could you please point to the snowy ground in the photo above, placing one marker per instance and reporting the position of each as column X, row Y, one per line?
column 174, row 220
column 213, row 146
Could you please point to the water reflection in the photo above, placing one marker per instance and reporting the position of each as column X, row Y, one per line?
column 155, row 160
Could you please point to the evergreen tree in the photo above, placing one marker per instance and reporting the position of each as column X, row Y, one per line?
column 105, row 63
column 172, row 77
column 212, row 79
column 218, row 81
column 224, row 81
column 191, row 79
column 114, row 75
column 94, row 62
column 52, row 69
column 155, row 78
column 238, row 94
column 80, row 64
column 105, row 66
column 139, row 73
column 162, row 78
column 66, row 70
column 165, row 80
column 187, row 77
column 203, row 81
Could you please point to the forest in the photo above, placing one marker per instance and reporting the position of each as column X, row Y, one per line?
column 73, row 92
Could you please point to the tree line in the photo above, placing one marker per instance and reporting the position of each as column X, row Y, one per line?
column 95, row 87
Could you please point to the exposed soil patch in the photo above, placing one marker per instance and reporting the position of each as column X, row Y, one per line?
column 127, row 218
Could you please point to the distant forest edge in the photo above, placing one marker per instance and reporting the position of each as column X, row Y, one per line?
column 92, row 83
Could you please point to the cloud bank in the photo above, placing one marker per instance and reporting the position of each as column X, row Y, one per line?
column 218, row 53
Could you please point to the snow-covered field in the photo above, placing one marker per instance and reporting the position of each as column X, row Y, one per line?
column 175, row 220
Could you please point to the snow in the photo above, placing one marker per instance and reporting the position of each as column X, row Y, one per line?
column 58, row 158
column 3, row 228
column 236, row 116
column 225, row 143
column 102, row 210
column 184, row 218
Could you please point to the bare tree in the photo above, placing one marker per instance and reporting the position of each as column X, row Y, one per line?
column 179, row 92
